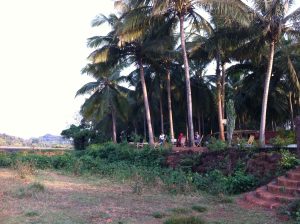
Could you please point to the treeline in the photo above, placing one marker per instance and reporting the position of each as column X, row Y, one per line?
column 169, row 45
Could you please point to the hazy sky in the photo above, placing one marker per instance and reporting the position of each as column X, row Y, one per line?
column 42, row 50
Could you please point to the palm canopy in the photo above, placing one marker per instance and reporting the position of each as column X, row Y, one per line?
column 107, row 96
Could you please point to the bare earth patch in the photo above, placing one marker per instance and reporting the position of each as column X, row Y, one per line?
column 72, row 199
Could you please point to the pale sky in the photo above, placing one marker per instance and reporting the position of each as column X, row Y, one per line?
column 42, row 51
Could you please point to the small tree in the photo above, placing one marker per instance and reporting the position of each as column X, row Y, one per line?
column 231, row 116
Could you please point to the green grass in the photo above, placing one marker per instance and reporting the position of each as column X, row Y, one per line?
column 180, row 211
column 158, row 215
column 31, row 213
column 199, row 208
column 28, row 191
column 184, row 220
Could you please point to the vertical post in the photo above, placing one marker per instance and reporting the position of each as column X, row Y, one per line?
column 298, row 134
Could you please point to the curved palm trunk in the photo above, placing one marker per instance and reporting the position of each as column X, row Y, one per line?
column 188, row 84
column 219, row 100
column 146, row 103
column 170, row 103
column 262, row 129
column 114, row 129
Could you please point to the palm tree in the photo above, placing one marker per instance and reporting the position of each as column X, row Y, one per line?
column 271, row 21
column 186, row 10
column 107, row 96
column 121, row 48
column 145, row 40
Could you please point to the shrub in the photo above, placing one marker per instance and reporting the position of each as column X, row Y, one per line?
column 284, row 138
column 158, row 215
column 176, row 180
column 240, row 182
column 184, row 220
column 29, row 191
column 31, row 213
column 39, row 161
column 64, row 161
column 199, row 208
column 180, row 211
column 36, row 187
column 215, row 182
column 292, row 210
column 5, row 160
column 124, row 152
column 24, row 169
column 216, row 144
column 288, row 160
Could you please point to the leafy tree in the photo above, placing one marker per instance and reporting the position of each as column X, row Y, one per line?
column 79, row 134
column 108, row 97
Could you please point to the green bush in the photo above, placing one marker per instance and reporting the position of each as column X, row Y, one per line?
column 158, row 215
column 39, row 161
column 240, row 182
column 288, row 160
column 216, row 144
column 199, row 208
column 184, row 220
column 5, row 160
column 64, row 161
column 292, row 209
column 215, row 182
column 124, row 152
column 284, row 138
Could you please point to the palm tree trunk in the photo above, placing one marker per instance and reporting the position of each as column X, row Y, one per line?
column 145, row 125
column 199, row 122
column 219, row 100
column 187, row 82
column 202, row 119
column 114, row 129
column 291, row 111
column 262, row 129
column 146, row 103
column 223, row 89
column 161, row 111
column 170, row 103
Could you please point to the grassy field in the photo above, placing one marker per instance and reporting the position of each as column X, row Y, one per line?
column 53, row 197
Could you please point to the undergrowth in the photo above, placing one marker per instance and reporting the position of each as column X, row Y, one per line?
column 143, row 168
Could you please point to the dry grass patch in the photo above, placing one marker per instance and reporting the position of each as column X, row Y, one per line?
column 71, row 199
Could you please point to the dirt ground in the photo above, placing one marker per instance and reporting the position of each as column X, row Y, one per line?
column 68, row 199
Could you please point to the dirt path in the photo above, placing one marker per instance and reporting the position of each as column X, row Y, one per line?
column 71, row 199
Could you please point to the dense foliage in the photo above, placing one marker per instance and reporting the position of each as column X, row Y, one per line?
column 171, row 86
column 149, row 167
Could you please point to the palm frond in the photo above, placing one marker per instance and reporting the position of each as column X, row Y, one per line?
column 88, row 88
column 293, row 17
column 293, row 75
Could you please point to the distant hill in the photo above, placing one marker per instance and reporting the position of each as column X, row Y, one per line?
column 47, row 140
column 8, row 140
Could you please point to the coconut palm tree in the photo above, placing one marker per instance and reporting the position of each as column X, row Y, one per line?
column 187, row 11
column 123, row 47
column 107, row 96
column 271, row 21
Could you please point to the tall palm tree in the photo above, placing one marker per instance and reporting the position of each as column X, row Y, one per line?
column 127, row 45
column 271, row 20
column 107, row 96
column 146, row 39
column 186, row 10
